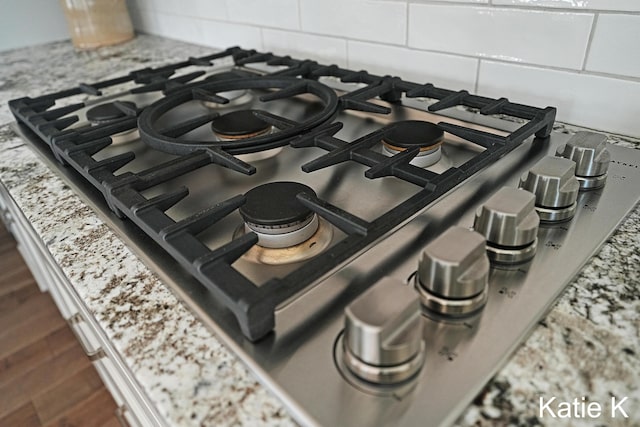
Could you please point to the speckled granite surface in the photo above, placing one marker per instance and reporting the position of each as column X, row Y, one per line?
column 186, row 372
column 589, row 344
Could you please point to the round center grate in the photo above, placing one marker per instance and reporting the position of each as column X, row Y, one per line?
column 150, row 123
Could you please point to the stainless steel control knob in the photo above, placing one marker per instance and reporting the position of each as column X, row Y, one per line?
column 453, row 273
column 553, row 183
column 589, row 151
column 383, row 333
column 509, row 222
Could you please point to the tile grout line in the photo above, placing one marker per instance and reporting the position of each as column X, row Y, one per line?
column 260, row 29
column 299, row 15
column 477, row 82
column 566, row 10
column 587, row 51
column 244, row 24
column 406, row 23
column 346, row 42
column 524, row 8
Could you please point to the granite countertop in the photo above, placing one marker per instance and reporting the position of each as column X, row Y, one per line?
column 588, row 345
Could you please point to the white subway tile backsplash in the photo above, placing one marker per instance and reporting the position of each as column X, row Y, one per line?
column 452, row 1
column 170, row 6
column 592, row 101
column 329, row 50
column 448, row 71
column 380, row 21
column 615, row 47
column 272, row 13
column 518, row 52
column 551, row 38
column 206, row 9
column 223, row 35
column 619, row 5
column 179, row 27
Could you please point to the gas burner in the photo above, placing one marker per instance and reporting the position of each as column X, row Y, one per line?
column 275, row 214
column 235, row 97
column 239, row 125
column 287, row 230
column 108, row 112
column 414, row 133
column 111, row 112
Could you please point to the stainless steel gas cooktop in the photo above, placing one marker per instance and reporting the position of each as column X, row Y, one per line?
column 374, row 249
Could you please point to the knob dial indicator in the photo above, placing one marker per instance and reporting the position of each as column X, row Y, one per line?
column 453, row 273
column 555, row 187
column 589, row 151
column 509, row 222
column 383, row 334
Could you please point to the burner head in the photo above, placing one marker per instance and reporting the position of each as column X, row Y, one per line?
column 414, row 133
column 274, row 205
column 239, row 125
column 411, row 133
column 105, row 113
column 275, row 214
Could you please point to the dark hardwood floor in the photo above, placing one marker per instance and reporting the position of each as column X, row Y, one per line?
column 45, row 378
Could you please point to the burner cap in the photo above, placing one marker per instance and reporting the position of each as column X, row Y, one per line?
column 107, row 112
column 411, row 133
column 239, row 124
column 275, row 204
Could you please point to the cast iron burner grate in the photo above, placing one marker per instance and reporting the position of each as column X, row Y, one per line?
column 169, row 140
column 254, row 306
